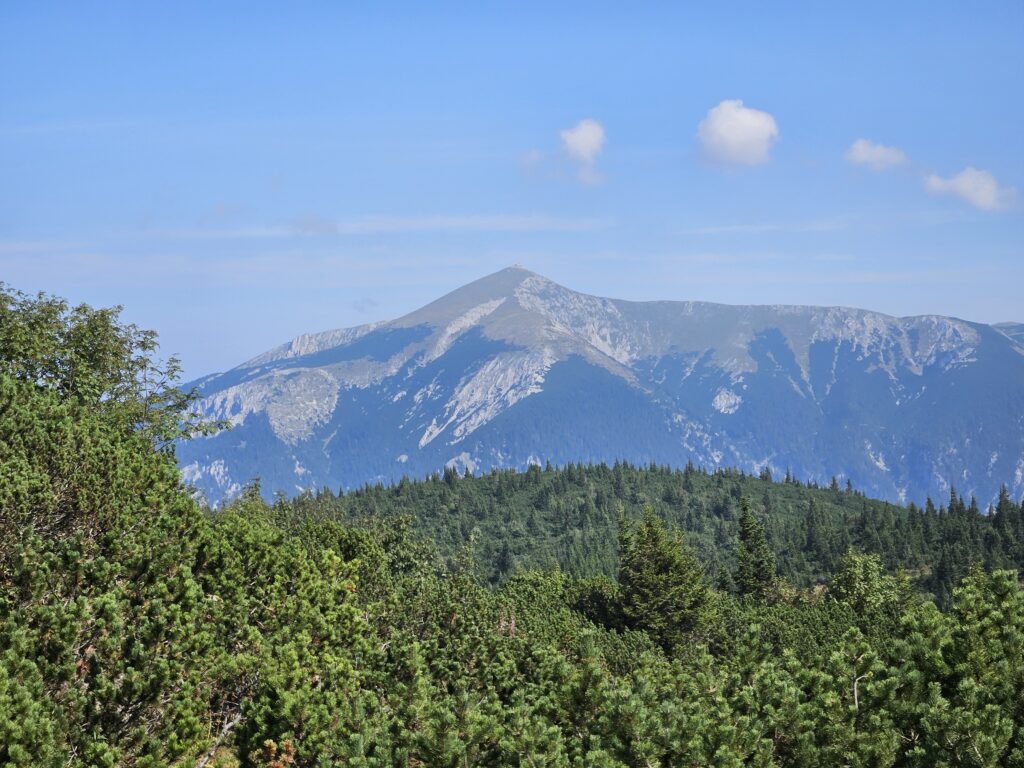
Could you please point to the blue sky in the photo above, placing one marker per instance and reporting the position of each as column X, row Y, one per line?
column 236, row 174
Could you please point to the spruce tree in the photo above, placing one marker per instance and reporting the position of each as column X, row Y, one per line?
column 755, row 571
column 663, row 590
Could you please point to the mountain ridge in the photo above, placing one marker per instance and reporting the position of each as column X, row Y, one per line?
column 463, row 380
column 1014, row 331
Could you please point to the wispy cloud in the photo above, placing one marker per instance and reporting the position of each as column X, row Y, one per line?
column 790, row 277
column 497, row 223
column 318, row 226
column 815, row 225
column 70, row 126
column 270, row 264
column 979, row 188
column 36, row 246
column 877, row 157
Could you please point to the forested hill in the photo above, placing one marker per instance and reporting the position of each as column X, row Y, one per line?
column 569, row 517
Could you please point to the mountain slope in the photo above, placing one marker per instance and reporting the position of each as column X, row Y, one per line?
column 1014, row 330
column 514, row 368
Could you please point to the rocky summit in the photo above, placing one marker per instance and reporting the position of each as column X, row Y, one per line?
column 514, row 369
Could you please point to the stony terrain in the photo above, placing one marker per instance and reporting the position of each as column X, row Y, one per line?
column 514, row 368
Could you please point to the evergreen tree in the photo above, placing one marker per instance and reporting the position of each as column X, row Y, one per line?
column 756, row 566
column 862, row 584
column 663, row 590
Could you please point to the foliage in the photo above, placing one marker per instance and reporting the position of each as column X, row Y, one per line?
column 662, row 584
column 755, row 562
column 139, row 629
column 569, row 517
column 88, row 357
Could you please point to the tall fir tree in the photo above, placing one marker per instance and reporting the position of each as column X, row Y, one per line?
column 756, row 565
column 663, row 589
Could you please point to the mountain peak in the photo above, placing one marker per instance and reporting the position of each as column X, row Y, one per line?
column 513, row 367
column 508, row 279
column 499, row 286
column 517, row 268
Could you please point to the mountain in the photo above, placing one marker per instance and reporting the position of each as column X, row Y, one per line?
column 515, row 369
column 1014, row 330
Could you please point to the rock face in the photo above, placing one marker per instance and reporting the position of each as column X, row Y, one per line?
column 514, row 368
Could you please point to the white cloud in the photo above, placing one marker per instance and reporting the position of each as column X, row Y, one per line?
column 583, row 144
column 737, row 135
column 979, row 188
column 494, row 223
column 878, row 157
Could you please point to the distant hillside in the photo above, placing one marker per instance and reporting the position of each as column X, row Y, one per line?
column 513, row 369
column 569, row 518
